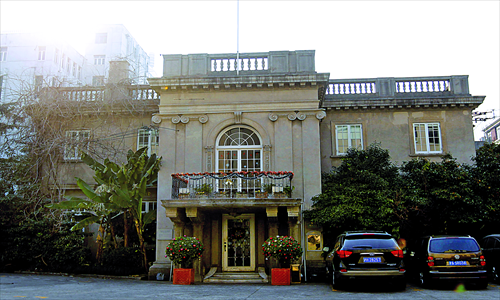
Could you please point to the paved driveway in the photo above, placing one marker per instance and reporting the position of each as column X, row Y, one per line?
column 25, row 286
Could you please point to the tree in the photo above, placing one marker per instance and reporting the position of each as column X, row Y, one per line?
column 362, row 193
column 486, row 184
column 127, row 184
column 442, row 191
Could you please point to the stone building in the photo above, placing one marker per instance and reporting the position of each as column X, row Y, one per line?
column 245, row 137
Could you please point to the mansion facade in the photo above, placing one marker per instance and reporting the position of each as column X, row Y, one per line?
column 245, row 138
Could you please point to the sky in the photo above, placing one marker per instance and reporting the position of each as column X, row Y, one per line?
column 352, row 39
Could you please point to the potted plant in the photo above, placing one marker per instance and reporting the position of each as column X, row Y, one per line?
column 203, row 190
column 285, row 249
column 183, row 251
column 241, row 194
column 288, row 191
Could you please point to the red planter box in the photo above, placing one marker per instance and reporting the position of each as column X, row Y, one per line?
column 280, row 276
column 183, row 276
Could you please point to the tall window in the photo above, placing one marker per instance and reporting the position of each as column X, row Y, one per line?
column 74, row 69
column 239, row 149
column 38, row 82
column 41, row 52
column 62, row 60
column 348, row 136
column 99, row 59
column 427, row 137
column 68, row 66
column 3, row 54
column 148, row 138
column 76, row 141
column 56, row 56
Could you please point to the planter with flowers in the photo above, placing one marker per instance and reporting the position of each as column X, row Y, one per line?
column 183, row 251
column 285, row 249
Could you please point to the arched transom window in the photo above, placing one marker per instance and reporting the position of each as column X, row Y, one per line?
column 239, row 149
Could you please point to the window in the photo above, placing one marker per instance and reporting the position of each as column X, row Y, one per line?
column 68, row 66
column 79, row 72
column 99, row 59
column 74, row 69
column 239, row 149
column 76, row 141
column 41, row 52
column 98, row 80
column 3, row 54
column 101, row 38
column 348, row 136
column 148, row 138
column 62, row 61
column 56, row 56
column 38, row 82
column 427, row 138
column 148, row 206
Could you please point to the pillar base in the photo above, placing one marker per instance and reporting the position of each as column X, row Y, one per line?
column 159, row 267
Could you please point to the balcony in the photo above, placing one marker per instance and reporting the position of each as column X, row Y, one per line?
column 233, row 185
column 399, row 92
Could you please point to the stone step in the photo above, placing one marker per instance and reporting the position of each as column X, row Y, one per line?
column 235, row 277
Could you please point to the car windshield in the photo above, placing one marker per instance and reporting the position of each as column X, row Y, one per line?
column 449, row 245
column 371, row 243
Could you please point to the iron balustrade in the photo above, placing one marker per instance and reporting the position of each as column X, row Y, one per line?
column 253, row 184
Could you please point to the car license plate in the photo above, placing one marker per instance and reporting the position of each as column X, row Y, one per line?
column 372, row 259
column 457, row 263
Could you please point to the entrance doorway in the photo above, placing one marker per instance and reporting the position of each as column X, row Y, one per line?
column 238, row 243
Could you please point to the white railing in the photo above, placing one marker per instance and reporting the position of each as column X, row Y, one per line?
column 347, row 88
column 422, row 86
column 246, row 62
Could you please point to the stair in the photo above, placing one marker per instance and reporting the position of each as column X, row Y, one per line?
column 235, row 278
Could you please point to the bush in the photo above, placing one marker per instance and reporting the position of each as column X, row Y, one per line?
column 184, row 250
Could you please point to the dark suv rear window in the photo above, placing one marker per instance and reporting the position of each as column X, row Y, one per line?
column 453, row 245
column 370, row 243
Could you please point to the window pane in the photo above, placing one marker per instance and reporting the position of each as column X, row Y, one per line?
column 342, row 139
column 420, row 140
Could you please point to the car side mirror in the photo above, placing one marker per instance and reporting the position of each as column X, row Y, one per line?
column 412, row 253
column 326, row 249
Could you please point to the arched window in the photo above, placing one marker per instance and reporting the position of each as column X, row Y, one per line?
column 239, row 149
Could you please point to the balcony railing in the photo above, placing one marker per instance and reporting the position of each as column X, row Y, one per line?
column 397, row 87
column 90, row 94
column 267, row 184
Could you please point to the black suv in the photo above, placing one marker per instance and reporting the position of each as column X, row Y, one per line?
column 491, row 251
column 447, row 258
column 366, row 255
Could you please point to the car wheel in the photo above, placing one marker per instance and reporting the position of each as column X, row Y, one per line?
column 482, row 285
column 335, row 281
column 494, row 274
column 400, row 284
column 424, row 281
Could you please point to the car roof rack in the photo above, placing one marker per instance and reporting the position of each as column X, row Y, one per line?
column 365, row 231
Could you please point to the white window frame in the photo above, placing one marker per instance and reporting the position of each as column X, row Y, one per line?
column 99, row 59
column 350, row 138
column 427, row 138
column 148, row 138
column 77, row 140
column 41, row 52
column 3, row 53
column 239, row 148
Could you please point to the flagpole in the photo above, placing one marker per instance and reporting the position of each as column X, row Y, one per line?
column 237, row 37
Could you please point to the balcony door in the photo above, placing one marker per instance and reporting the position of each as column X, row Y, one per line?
column 239, row 149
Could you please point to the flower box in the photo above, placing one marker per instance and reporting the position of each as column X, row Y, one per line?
column 241, row 195
column 261, row 194
column 183, row 276
column 184, row 196
column 280, row 276
column 280, row 195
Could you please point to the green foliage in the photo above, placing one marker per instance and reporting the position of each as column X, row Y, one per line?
column 364, row 192
column 283, row 248
column 486, row 184
column 121, row 261
column 44, row 246
column 205, row 189
column 443, row 195
column 184, row 250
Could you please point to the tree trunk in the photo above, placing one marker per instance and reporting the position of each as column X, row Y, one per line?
column 100, row 243
column 113, row 235
column 125, row 230
column 142, row 244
